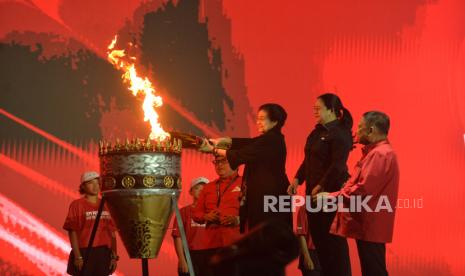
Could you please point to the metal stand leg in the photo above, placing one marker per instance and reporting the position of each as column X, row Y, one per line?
column 92, row 236
column 145, row 267
column 183, row 236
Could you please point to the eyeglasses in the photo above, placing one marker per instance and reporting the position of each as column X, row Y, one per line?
column 220, row 162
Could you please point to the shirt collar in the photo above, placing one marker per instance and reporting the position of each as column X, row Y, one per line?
column 229, row 178
column 274, row 129
column 329, row 125
column 366, row 149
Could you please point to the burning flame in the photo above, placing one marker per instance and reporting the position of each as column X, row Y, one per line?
column 139, row 85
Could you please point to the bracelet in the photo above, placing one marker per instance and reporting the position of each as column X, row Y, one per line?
column 79, row 258
column 115, row 257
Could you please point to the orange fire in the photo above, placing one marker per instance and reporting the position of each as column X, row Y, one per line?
column 139, row 85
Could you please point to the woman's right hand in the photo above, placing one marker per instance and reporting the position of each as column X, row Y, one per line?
column 78, row 262
column 292, row 189
column 308, row 263
column 182, row 266
column 316, row 190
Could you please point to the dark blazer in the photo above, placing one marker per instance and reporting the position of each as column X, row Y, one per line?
column 326, row 153
column 264, row 174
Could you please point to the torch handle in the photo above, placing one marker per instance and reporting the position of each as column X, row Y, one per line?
column 189, row 141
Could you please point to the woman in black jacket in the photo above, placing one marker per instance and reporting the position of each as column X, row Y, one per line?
column 265, row 162
column 324, row 169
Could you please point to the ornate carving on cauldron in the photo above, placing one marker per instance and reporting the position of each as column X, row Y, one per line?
column 139, row 179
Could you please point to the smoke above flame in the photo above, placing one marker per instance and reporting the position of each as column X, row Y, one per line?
column 139, row 86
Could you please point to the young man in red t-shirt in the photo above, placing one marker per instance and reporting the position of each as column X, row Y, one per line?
column 195, row 232
column 308, row 260
column 79, row 223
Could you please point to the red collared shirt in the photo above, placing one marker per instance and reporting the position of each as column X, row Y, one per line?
column 376, row 174
column 229, row 190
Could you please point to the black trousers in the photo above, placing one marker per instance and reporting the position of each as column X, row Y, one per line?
column 201, row 262
column 332, row 250
column 310, row 272
column 97, row 265
column 372, row 258
column 202, row 266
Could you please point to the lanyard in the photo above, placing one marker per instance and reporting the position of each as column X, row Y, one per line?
column 218, row 194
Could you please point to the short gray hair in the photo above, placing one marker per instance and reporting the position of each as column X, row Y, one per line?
column 377, row 119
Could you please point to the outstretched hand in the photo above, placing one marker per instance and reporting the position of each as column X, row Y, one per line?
column 223, row 142
column 206, row 146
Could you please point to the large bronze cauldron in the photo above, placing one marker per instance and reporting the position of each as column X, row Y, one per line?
column 139, row 180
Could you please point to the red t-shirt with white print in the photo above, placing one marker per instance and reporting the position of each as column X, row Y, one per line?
column 196, row 233
column 81, row 218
